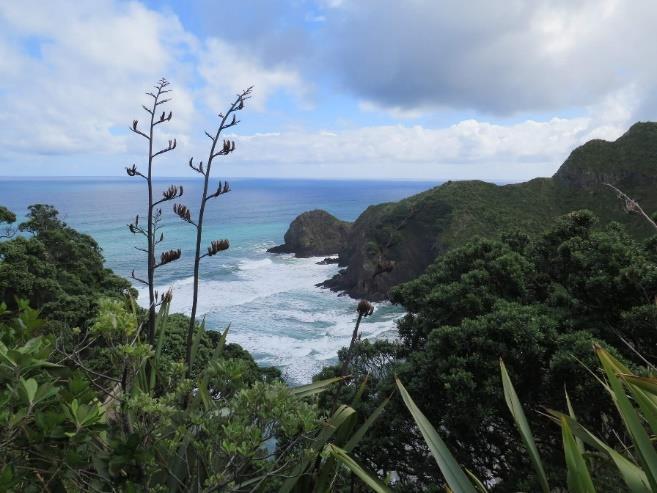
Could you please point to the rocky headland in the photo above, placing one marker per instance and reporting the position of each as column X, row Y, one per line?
column 394, row 242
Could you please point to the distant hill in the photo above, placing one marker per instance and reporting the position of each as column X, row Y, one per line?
column 393, row 242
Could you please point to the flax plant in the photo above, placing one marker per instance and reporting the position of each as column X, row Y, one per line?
column 152, row 231
column 217, row 148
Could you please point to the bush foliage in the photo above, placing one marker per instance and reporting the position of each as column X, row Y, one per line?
column 538, row 303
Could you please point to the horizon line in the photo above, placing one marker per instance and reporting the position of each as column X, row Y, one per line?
column 296, row 178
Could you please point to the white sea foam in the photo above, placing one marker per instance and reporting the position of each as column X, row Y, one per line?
column 278, row 314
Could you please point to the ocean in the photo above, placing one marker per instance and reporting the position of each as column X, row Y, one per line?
column 274, row 309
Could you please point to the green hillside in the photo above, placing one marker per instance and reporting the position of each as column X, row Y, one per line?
column 394, row 242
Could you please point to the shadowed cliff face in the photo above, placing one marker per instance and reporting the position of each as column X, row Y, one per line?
column 314, row 233
column 392, row 243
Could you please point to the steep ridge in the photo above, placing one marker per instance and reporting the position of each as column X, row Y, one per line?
column 394, row 242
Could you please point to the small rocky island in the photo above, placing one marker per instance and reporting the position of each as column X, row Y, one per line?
column 313, row 234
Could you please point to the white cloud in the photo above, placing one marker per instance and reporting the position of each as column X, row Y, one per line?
column 84, row 75
column 468, row 149
column 536, row 56
column 74, row 76
column 228, row 69
column 396, row 112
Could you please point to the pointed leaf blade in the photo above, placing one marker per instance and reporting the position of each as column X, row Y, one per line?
column 454, row 475
column 513, row 403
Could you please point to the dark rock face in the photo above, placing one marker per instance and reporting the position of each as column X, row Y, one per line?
column 329, row 261
column 314, row 233
column 384, row 250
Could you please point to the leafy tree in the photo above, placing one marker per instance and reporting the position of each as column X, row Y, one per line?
column 57, row 269
column 7, row 218
column 538, row 303
column 66, row 427
column 40, row 219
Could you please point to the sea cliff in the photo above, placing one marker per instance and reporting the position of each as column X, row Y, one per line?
column 394, row 242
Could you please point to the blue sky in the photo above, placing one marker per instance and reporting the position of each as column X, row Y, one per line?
column 414, row 89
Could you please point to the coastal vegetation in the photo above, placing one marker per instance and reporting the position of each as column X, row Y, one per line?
column 525, row 361
column 540, row 305
column 99, row 394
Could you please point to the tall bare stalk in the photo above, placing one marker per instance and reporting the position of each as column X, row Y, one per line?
column 364, row 309
column 227, row 120
column 154, row 213
column 632, row 206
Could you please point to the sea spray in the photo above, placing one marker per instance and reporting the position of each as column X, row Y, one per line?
column 278, row 314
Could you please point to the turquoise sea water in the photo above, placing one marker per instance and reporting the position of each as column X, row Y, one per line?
column 271, row 301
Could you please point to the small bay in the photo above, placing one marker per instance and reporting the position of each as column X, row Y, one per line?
column 270, row 301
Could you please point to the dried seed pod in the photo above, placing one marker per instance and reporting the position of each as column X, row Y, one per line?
column 167, row 296
column 182, row 212
column 218, row 246
column 221, row 189
column 228, row 147
column 169, row 256
column 172, row 192
column 134, row 124
column 365, row 308
column 132, row 170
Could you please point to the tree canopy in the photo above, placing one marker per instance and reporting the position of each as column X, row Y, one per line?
column 57, row 269
column 539, row 304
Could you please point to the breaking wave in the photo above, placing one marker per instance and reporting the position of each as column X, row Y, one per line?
column 278, row 314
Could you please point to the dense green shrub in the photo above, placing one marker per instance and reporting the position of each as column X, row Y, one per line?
column 87, row 404
column 51, row 421
column 537, row 303
column 59, row 270
column 66, row 427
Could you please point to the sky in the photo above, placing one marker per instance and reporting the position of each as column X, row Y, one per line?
column 367, row 89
